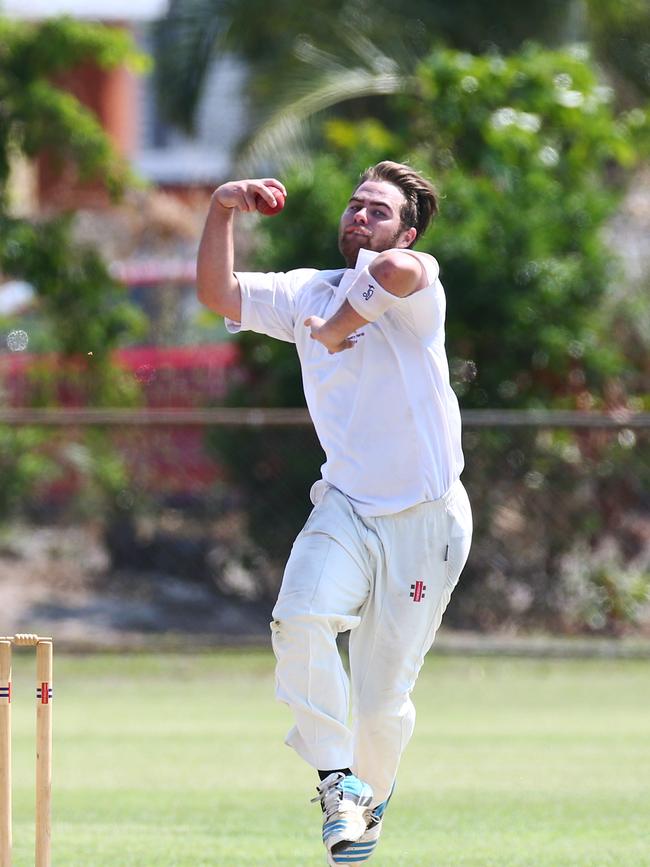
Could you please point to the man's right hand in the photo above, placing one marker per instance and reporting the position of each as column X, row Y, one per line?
column 217, row 286
column 241, row 195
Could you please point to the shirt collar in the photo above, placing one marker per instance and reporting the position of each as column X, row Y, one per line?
column 364, row 258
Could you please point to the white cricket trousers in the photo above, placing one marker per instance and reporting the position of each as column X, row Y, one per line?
column 388, row 579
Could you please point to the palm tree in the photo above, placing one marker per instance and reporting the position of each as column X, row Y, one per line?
column 619, row 30
column 306, row 57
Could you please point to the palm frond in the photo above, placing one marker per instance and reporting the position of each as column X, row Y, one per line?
column 186, row 41
column 363, row 68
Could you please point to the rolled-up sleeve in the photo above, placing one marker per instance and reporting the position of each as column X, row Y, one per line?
column 268, row 302
column 423, row 312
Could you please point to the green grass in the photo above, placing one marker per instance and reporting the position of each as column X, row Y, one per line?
column 178, row 760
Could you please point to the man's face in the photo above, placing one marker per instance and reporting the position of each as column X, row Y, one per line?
column 372, row 220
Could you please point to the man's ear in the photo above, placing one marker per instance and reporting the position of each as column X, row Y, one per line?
column 408, row 237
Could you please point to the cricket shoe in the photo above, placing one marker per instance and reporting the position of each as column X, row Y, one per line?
column 345, row 800
column 364, row 847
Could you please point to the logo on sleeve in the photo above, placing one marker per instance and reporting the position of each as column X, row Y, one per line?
column 367, row 295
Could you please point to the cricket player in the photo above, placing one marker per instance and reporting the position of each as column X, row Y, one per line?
column 391, row 526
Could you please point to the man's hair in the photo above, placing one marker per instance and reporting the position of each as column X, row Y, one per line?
column 421, row 203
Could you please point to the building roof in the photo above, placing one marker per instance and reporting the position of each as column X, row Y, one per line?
column 102, row 10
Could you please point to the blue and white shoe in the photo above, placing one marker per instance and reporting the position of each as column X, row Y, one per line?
column 364, row 847
column 345, row 801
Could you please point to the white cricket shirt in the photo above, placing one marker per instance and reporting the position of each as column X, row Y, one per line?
column 384, row 411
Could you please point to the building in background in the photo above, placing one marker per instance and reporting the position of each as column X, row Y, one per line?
column 149, row 239
column 127, row 107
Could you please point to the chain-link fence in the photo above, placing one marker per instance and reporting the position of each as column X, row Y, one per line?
column 214, row 498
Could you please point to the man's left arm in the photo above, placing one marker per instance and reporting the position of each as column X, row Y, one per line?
column 391, row 276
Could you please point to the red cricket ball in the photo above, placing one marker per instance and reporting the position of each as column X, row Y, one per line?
column 263, row 206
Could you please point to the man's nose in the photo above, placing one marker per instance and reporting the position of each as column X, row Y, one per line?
column 361, row 216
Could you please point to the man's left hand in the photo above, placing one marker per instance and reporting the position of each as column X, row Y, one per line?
column 325, row 334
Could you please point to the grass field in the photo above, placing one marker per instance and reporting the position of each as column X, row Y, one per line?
column 178, row 760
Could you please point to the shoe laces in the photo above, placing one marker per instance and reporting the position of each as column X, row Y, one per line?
column 329, row 794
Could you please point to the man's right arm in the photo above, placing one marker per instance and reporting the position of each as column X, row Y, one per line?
column 216, row 283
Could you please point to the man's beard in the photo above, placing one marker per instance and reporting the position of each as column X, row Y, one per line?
column 350, row 244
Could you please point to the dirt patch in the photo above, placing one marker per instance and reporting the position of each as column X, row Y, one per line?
column 58, row 581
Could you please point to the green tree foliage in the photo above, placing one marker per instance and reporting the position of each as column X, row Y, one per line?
column 86, row 308
column 275, row 43
column 558, row 542
column 620, row 33
column 530, row 160
column 37, row 114
column 285, row 49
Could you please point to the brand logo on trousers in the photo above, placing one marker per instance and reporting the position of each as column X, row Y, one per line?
column 367, row 295
column 417, row 591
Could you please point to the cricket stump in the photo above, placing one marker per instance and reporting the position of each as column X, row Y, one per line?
column 43, row 752
column 5, row 752
column 43, row 747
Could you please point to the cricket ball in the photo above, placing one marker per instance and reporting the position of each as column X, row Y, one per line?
column 263, row 206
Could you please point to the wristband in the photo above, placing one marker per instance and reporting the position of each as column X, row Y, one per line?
column 368, row 298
